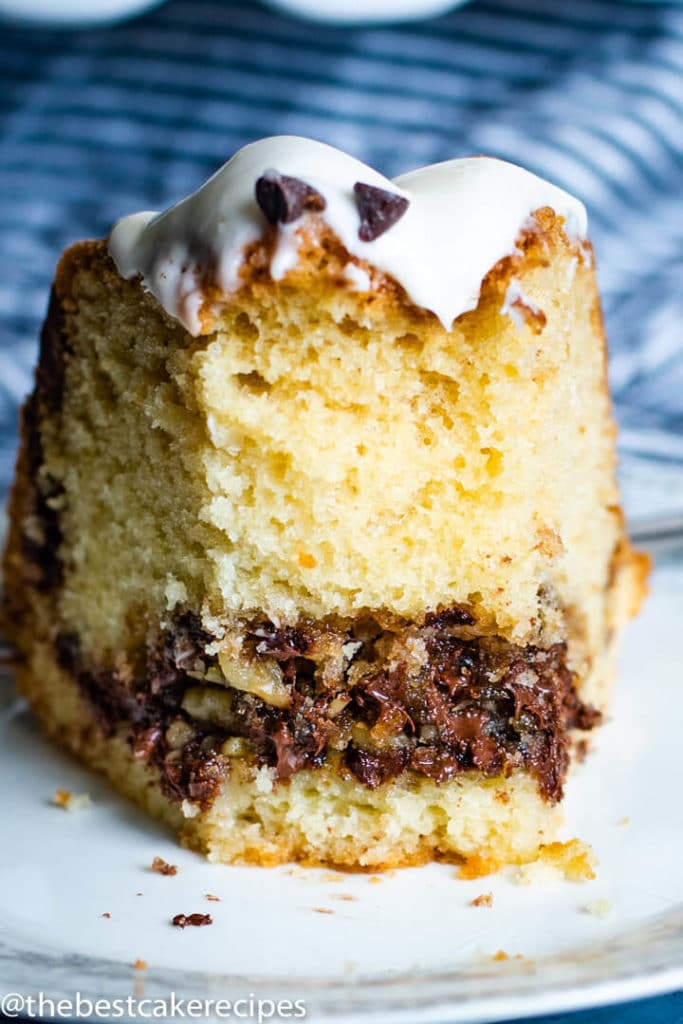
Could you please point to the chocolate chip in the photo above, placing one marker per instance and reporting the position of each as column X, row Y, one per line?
column 453, row 616
column 373, row 768
column 379, row 210
column 283, row 199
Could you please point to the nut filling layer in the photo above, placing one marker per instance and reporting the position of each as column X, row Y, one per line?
column 374, row 699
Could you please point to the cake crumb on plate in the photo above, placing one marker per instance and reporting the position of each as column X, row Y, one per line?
column 598, row 908
column 573, row 860
column 71, row 801
column 162, row 867
column 477, row 866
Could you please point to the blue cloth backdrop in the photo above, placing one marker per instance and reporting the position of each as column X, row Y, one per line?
column 95, row 124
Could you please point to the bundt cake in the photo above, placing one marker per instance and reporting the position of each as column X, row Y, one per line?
column 315, row 543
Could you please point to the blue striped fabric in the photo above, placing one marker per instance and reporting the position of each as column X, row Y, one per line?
column 588, row 94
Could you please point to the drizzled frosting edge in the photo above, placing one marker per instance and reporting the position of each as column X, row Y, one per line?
column 463, row 216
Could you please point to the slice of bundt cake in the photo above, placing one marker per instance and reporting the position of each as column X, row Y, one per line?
column 315, row 543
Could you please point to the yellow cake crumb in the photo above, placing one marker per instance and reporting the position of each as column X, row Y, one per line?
column 573, row 860
column 478, row 866
column 598, row 908
column 71, row 801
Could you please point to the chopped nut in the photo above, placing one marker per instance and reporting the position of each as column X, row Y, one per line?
column 208, row 705
column 189, row 809
column 485, row 900
column 212, row 898
column 236, row 746
column 208, row 675
column 351, row 648
column 338, row 705
column 262, row 678
column 178, row 734
column 323, row 910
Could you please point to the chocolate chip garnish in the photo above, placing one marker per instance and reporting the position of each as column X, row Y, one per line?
column 283, row 199
column 379, row 210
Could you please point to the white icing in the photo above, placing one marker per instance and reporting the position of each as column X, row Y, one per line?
column 464, row 216
column 571, row 269
column 515, row 302
column 358, row 277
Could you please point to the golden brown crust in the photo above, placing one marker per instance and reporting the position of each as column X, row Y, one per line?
column 18, row 574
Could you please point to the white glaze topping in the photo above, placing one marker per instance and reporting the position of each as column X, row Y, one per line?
column 464, row 216
column 516, row 303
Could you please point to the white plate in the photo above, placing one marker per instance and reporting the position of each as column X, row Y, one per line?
column 407, row 948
